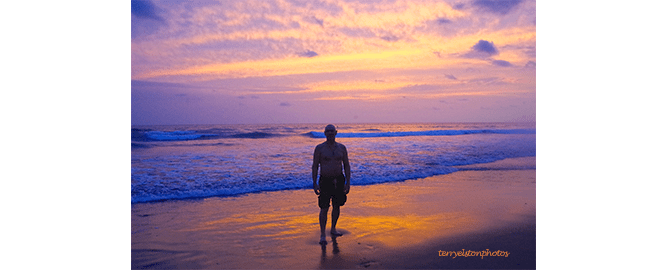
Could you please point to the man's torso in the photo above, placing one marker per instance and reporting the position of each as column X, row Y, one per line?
column 331, row 158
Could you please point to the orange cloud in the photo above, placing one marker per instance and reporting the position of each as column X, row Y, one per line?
column 297, row 65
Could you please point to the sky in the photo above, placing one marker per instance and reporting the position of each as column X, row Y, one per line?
column 289, row 61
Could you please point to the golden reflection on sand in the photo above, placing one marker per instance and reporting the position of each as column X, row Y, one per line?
column 394, row 215
column 389, row 230
column 284, row 229
column 410, row 229
column 278, row 225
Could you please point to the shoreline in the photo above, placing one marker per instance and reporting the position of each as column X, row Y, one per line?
column 391, row 225
column 519, row 163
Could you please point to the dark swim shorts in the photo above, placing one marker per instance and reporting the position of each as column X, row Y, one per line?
column 328, row 191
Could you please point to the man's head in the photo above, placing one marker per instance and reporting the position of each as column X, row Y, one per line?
column 330, row 131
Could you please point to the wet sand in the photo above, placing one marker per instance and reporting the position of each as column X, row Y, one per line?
column 486, row 207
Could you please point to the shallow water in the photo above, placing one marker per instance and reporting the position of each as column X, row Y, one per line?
column 183, row 162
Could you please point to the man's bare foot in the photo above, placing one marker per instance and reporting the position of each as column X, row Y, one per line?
column 336, row 233
column 323, row 242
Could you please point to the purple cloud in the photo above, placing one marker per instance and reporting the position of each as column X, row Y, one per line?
column 485, row 47
column 144, row 9
column 443, row 21
column 317, row 20
column 501, row 63
column 308, row 53
column 482, row 50
column 497, row 6
column 390, row 38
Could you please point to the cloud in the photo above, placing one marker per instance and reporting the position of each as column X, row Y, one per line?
column 251, row 97
column 144, row 9
column 316, row 20
column 485, row 47
column 531, row 51
column 501, row 63
column 482, row 49
column 156, row 85
column 451, row 77
column 485, row 81
column 145, row 20
column 357, row 32
column 285, row 104
column 501, row 7
column 318, row 6
column 419, row 88
column 443, row 21
column 308, row 53
column 531, row 64
column 390, row 38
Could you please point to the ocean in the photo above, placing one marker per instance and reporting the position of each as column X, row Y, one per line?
column 199, row 161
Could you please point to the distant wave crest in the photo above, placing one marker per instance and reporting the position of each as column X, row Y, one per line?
column 187, row 135
column 253, row 135
column 315, row 134
column 175, row 135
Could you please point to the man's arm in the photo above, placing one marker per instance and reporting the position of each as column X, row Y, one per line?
column 314, row 170
column 347, row 171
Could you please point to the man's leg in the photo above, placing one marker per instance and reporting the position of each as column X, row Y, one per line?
column 335, row 217
column 337, row 201
column 323, row 219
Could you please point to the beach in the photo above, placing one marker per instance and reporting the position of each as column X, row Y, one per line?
column 481, row 216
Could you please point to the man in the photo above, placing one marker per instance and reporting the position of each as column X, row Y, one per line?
column 333, row 185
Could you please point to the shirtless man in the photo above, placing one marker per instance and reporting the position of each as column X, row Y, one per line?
column 333, row 185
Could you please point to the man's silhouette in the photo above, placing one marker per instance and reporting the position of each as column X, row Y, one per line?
column 333, row 185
